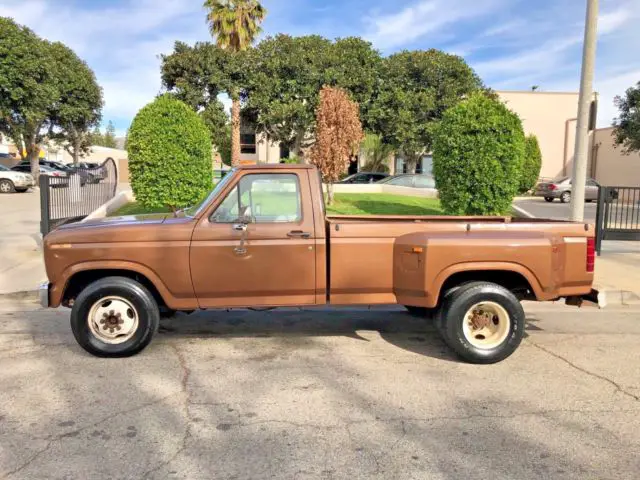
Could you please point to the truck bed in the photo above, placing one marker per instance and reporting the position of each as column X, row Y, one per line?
column 408, row 259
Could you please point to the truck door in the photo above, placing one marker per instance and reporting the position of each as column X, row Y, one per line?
column 257, row 246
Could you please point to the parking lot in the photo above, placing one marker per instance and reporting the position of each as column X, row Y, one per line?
column 539, row 208
column 320, row 394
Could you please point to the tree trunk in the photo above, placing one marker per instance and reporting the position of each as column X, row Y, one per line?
column 76, row 152
column 412, row 162
column 330, row 193
column 33, row 155
column 297, row 146
column 235, row 133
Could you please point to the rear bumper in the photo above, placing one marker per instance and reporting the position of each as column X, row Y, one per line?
column 547, row 193
column 591, row 299
column 43, row 294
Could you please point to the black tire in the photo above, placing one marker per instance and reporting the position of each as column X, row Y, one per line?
column 565, row 197
column 417, row 311
column 6, row 186
column 140, row 298
column 548, row 199
column 458, row 302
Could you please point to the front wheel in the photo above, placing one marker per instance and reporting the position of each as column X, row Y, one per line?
column 114, row 317
column 6, row 186
column 482, row 322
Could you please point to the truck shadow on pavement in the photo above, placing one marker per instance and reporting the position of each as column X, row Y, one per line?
column 397, row 327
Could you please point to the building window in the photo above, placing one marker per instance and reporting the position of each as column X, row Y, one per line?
column 248, row 143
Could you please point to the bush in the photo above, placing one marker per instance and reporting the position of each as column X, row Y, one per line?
column 169, row 155
column 478, row 151
column 531, row 164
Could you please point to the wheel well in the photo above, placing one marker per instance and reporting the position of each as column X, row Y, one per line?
column 512, row 281
column 80, row 280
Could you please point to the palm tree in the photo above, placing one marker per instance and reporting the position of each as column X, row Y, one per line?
column 234, row 24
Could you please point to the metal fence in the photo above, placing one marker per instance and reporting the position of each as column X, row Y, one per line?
column 70, row 198
column 618, row 215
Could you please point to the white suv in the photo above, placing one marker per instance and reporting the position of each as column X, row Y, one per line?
column 11, row 181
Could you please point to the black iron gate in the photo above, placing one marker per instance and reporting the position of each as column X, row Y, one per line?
column 618, row 216
column 71, row 196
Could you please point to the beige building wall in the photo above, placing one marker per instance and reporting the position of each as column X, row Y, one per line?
column 550, row 116
column 609, row 166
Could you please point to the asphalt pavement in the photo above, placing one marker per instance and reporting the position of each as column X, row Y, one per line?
column 290, row 394
column 539, row 208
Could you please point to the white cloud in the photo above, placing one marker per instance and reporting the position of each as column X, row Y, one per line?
column 422, row 18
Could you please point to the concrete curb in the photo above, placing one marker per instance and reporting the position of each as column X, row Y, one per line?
column 112, row 205
column 30, row 296
column 620, row 297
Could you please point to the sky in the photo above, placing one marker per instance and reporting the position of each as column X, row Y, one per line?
column 512, row 44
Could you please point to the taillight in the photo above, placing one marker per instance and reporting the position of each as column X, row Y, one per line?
column 591, row 254
column 553, row 187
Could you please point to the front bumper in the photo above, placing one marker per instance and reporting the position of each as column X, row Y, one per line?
column 43, row 294
column 591, row 299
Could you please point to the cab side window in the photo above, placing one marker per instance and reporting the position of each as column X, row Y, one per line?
column 262, row 198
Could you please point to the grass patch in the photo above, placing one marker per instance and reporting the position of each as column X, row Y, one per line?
column 344, row 204
column 134, row 208
column 383, row 204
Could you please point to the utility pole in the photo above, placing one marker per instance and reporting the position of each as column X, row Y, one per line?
column 579, row 177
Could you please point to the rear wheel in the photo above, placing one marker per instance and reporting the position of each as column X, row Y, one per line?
column 6, row 186
column 549, row 199
column 114, row 317
column 565, row 197
column 482, row 322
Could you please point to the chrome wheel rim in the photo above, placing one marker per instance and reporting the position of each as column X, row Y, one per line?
column 113, row 320
column 486, row 325
column 4, row 187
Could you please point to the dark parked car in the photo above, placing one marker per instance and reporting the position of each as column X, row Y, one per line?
column 561, row 188
column 86, row 176
column 410, row 180
column 364, row 177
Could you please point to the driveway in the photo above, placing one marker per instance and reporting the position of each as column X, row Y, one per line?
column 21, row 268
column 320, row 395
column 539, row 208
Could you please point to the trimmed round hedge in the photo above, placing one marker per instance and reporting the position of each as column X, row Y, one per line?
column 532, row 164
column 478, row 151
column 169, row 150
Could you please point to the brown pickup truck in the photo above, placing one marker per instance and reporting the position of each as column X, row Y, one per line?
column 262, row 239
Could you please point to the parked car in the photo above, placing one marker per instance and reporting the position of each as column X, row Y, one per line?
column 561, row 188
column 89, row 172
column 63, row 179
column 410, row 180
column 364, row 177
column 275, row 247
column 58, row 169
column 12, row 181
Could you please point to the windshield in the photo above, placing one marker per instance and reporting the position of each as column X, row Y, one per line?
column 197, row 209
column 3, row 168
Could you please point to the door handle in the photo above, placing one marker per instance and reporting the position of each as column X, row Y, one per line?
column 240, row 227
column 298, row 234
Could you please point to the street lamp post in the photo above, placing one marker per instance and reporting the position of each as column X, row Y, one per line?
column 579, row 177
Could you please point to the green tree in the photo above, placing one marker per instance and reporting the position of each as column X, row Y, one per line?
column 82, row 105
column 110, row 136
column 416, row 88
column 169, row 155
column 198, row 75
column 96, row 138
column 287, row 74
column 531, row 164
column 234, row 24
column 376, row 152
column 627, row 125
column 478, row 151
column 27, row 88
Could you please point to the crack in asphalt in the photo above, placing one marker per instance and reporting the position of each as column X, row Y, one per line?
column 73, row 433
column 184, row 382
column 613, row 383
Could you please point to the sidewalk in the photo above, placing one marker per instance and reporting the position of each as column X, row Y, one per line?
column 618, row 272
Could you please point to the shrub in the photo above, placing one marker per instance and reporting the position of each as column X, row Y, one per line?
column 478, row 152
column 169, row 155
column 531, row 164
